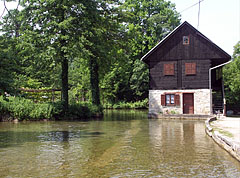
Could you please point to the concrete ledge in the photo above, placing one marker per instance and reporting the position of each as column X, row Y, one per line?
column 223, row 141
column 178, row 116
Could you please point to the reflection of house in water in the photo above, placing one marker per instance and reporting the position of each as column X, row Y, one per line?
column 177, row 140
column 165, row 132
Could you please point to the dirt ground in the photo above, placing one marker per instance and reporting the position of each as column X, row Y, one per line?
column 228, row 126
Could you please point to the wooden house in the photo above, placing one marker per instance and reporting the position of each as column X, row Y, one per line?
column 180, row 67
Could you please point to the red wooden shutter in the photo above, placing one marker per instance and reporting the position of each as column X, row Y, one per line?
column 169, row 69
column 193, row 67
column 163, row 103
column 177, row 100
column 190, row 68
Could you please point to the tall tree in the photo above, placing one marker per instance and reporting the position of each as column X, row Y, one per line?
column 56, row 29
column 103, row 36
column 231, row 74
column 146, row 23
column 9, row 64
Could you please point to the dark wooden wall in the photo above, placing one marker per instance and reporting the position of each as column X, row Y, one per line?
column 158, row 81
column 200, row 51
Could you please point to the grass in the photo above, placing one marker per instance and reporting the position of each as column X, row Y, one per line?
column 25, row 109
column 223, row 132
column 127, row 105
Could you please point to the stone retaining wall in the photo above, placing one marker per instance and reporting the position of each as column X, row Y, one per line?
column 225, row 142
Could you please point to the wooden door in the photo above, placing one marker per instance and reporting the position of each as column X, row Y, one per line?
column 188, row 103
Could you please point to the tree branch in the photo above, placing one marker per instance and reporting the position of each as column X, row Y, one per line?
column 2, row 13
column 18, row 4
column 5, row 6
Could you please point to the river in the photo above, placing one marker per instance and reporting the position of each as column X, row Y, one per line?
column 124, row 144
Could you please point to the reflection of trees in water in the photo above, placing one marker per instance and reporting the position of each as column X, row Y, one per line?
column 11, row 138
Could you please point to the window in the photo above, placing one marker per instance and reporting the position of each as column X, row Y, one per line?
column 170, row 100
column 185, row 40
column 190, row 68
column 169, row 69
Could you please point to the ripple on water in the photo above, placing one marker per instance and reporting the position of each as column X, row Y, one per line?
column 126, row 148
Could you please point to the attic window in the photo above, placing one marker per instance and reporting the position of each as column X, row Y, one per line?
column 185, row 40
column 169, row 69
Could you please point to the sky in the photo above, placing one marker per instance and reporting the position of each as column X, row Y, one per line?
column 219, row 20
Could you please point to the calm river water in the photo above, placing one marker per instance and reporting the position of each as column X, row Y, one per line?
column 125, row 144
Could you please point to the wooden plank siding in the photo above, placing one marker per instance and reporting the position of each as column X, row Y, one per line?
column 171, row 50
column 159, row 81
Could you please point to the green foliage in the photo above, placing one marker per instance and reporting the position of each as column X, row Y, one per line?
column 89, row 49
column 145, row 23
column 231, row 74
column 25, row 109
column 7, row 65
column 83, row 110
column 128, row 105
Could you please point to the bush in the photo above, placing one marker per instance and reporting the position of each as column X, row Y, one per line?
column 25, row 109
column 42, row 111
column 128, row 105
column 84, row 110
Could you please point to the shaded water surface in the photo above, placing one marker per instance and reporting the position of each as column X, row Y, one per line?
column 125, row 144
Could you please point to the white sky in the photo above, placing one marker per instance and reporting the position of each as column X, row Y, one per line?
column 219, row 19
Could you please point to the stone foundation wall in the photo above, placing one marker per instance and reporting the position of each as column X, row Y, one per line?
column 201, row 102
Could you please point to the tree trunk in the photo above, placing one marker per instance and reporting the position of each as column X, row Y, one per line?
column 65, row 83
column 64, row 62
column 94, row 81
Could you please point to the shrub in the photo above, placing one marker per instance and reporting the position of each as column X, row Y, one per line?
column 25, row 109
column 84, row 110
column 128, row 105
column 42, row 111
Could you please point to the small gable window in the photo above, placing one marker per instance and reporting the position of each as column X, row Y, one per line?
column 190, row 68
column 169, row 69
column 186, row 40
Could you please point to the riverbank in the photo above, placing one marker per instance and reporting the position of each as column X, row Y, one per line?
column 20, row 109
column 226, row 132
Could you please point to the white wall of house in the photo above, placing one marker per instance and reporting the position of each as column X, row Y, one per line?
column 201, row 102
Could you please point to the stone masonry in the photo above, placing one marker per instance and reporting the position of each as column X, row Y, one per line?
column 201, row 102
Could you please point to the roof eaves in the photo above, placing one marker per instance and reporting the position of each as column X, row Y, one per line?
column 206, row 38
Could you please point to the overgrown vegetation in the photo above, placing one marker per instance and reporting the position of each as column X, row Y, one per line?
column 231, row 76
column 25, row 109
column 128, row 105
column 89, row 50
column 223, row 132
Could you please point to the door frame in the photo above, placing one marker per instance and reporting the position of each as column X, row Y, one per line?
column 192, row 101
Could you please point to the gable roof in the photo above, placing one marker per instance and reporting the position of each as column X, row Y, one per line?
column 144, row 58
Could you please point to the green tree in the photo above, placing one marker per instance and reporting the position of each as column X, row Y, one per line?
column 56, row 29
column 9, row 58
column 145, row 24
column 231, row 74
column 8, row 66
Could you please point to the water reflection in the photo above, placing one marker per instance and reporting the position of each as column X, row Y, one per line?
column 113, row 148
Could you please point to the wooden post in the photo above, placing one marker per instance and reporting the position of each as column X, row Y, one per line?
column 224, row 100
